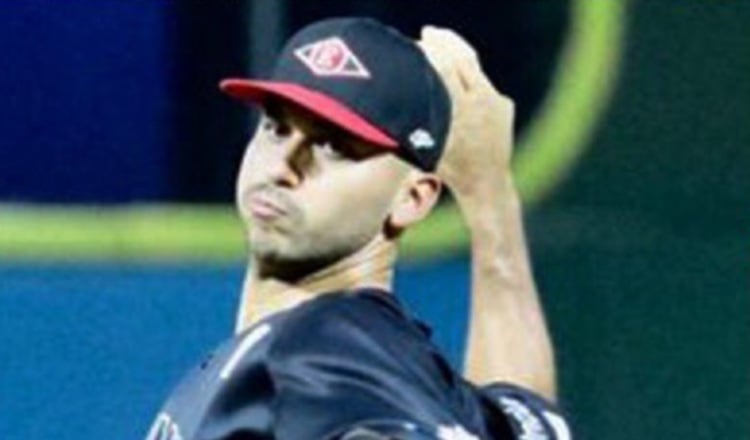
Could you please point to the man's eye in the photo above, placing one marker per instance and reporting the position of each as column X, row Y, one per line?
column 273, row 129
column 330, row 149
column 268, row 124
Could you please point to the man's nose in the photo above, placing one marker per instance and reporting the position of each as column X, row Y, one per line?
column 288, row 162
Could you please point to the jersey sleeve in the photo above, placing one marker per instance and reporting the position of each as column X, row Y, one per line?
column 338, row 370
column 526, row 414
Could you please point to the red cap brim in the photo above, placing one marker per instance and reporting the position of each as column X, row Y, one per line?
column 315, row 102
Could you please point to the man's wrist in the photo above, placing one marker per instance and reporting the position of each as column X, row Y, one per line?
column 488, row 202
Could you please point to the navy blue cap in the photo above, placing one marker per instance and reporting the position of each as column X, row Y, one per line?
column 366, row 78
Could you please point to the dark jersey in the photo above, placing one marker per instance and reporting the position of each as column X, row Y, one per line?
column 344, row 366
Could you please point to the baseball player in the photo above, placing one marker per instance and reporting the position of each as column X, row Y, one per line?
column 360, row 128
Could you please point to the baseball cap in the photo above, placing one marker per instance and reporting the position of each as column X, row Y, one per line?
column 365, row 78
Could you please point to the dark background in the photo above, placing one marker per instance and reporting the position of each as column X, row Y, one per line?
column 125, row 94
column 640, row 255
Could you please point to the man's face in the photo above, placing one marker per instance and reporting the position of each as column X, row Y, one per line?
column 309, row 193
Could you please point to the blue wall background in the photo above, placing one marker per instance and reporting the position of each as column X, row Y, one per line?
column 91, row 352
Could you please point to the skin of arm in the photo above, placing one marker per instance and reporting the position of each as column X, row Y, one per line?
column 508, row 339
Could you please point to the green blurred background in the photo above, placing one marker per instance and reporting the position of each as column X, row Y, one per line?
column 633, row 158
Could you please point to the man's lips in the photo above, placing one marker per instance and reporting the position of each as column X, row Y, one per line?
column 265, row 208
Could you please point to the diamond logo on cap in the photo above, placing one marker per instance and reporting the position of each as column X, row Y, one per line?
column 332, row 57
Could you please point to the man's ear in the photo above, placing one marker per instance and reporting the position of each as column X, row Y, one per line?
column 416, row 198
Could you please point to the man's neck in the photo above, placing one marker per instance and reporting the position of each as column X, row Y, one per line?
column 371, row 266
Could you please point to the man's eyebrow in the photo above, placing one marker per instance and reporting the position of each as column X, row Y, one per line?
column 273, row 109
column 322, row 128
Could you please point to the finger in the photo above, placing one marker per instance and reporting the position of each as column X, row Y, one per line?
column 440, row 55
column 454, row 44
column 457, row 51
column 475, row 78
column 446, row 68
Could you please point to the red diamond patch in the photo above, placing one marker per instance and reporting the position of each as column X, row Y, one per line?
column 331, row 57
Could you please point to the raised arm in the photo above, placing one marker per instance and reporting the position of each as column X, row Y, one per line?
column 508, row 339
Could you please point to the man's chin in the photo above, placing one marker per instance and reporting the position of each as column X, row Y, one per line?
column 274, row 251
column 266, row 241
column 266, row 252
column 285, row 264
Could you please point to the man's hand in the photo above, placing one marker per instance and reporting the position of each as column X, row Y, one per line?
column 508, row 338
column 477, row 156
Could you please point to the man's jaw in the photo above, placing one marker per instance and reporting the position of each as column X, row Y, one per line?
column 264, row 294
column 365, row 265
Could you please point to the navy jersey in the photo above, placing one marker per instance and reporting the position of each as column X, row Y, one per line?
column 344, row 366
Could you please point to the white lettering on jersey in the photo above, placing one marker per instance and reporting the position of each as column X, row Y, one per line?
column 247, row 343
column 455, row 432
column 562, row 432
column 531, row 425
column 164, row 428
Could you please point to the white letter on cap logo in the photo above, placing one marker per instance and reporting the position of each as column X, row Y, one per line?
column 331, row 57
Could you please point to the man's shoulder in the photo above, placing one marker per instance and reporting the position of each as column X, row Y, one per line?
column 349, row 301
column 364, row 316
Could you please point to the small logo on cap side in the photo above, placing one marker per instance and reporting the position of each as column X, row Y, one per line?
column 332, row 57
column 421, row 139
